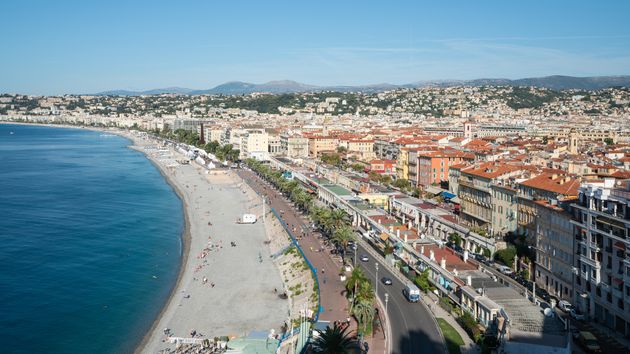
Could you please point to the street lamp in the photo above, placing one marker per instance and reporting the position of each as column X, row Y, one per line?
column 386, row 300
column 376, row 265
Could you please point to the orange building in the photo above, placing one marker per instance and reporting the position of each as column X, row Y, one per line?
column 433, row 166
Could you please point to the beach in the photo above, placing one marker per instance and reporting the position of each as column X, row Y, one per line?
column 227, row 285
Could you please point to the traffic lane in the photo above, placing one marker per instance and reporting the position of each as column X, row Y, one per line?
column 413, row 329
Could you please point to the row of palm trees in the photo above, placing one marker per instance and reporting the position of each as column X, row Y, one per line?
column 361, row 296
column 335, row 224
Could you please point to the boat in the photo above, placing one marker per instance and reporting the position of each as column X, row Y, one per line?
column 11, row 133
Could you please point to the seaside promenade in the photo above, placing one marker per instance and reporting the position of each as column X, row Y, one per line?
column 334, row 305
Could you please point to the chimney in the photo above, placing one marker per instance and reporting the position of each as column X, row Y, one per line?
column 443, row 263
column 421, row 249
column 469, row 280
column 465, row 256
column 455, row 272
column 405, row 237
column 432, row 255
column 398, row 234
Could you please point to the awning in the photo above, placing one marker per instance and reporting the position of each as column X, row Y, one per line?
column 448, row 195
column 456, row 200
column 384, row 236
column 433, row 190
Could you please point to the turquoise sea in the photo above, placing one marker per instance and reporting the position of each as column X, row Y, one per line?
column 90, row 241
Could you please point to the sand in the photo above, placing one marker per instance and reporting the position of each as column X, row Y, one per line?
column 243, row 298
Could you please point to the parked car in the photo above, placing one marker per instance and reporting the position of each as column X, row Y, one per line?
column 505, row 269
column 576, row 315
column 565, row 306
column 589, row 342
column 386, row 281
column 364, row 258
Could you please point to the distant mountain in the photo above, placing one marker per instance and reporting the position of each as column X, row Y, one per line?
column 175, row 90
column 555, row 82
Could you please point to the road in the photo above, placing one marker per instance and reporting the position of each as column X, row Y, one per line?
column 413, row 328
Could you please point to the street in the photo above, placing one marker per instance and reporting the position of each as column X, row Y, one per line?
column 413, row 329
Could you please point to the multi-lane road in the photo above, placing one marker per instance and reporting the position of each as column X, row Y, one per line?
column 414, row 329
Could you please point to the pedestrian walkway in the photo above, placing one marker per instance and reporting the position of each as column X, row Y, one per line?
column 334, row 305
column 432, row 302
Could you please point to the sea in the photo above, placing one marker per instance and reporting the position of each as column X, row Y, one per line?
column 90, row 241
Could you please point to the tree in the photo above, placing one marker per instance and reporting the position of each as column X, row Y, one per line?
column 357, row 167
column 506, row 256
column 364, row 312
column 422, row 280
column 336, row 340
column 356, row 277
column 608, row 141
column 343, row 236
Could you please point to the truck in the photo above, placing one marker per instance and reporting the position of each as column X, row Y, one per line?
column 247, row 219
column 411, row 292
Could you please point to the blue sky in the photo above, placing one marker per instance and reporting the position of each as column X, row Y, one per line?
column 56, row 47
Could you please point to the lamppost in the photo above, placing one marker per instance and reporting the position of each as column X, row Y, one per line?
column 386, row 300
column 376, row 265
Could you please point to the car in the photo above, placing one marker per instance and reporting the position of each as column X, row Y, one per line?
column 386, row 281
column 565, row 306
column 505, row 269
column 364, row 258
column 589, row 342
column 576, row 315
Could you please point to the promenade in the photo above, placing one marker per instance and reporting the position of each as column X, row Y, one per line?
column 334, row 305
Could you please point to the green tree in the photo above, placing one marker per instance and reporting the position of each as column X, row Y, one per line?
column 336, row 340
column 506, row 256
column 422, row 280
column 608, row 141
column 343, row 235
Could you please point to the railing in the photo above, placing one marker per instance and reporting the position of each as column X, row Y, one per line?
column 313, row 269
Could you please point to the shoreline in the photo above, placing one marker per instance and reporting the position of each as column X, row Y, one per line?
column 186, row 241
column 185, row 236
column 211, row 201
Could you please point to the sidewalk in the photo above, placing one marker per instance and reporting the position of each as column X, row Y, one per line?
column 334, row 305
column 431, row 300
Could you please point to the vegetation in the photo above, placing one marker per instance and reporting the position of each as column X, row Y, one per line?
column 336, row 340
column 525, row 97
column 360, row 289
column 506, row 256
column 453, row 339
column 331, row 159
column 422, row 280
column 470, row 326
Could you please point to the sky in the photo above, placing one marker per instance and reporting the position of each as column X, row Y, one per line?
column 64, row 47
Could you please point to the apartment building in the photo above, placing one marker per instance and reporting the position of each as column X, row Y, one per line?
column 475, row 191
column 602, row 235
column 317, row 144
column 294, row 146
column 554, row 247
column 504, row 207
column 274, row 145
column 362, row 148
column 255, row 144
column 433, row 166
column 545, row 186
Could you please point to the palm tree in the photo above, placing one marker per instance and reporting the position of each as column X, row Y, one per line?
column 343, row 236
column 352, row 283
column 338, row 217
column 364, row 312
column 336, row 340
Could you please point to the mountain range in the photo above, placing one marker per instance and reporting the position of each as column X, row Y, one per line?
column 556, row 82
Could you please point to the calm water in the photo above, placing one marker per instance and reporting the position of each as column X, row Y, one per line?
column 89, row 241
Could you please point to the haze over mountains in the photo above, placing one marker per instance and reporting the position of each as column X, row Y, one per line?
column 556, row 82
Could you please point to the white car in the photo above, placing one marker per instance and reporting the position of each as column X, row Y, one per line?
column 565, row 306
column 505, row 269
column 364, row 258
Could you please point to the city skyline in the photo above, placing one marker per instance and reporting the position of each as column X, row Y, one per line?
column 63, row 48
